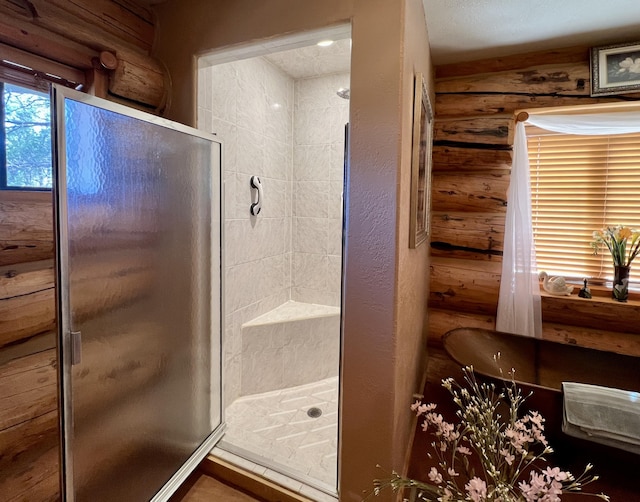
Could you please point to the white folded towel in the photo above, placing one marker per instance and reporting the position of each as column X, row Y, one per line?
column 602, row 414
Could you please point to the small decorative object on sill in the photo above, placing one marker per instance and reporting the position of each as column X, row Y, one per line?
column 585, row 292
column 496, row 452
column 555, row 285
column 618, row 239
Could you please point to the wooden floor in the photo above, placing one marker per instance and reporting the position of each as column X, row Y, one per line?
column 201, row 487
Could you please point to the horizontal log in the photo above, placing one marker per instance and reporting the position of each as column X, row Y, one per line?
column 138, row 78
column 28, row 388
column 598, row 338
column 115, row 368
column 14, row 252
column 26, row 218
column 464, row 285
column 466, row 104
column 546, row 79
column 478, row 191
column 55, row 19
column 112, row 17
column 480, row 232
column 443, row 321
column 484, row 130
column 451, row 158
column 46, row 489
column 461, row 253
column 28, row 455
column 117, row 288
column 123, row 279
column 23, row 34
column 25, row 316
column 603, row 312
column 25, row 278
column 568, row 55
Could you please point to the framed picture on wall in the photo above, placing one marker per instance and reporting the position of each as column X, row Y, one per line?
column 615, row 69
column 420, row 164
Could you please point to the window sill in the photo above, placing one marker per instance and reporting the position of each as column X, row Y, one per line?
column 26, row 196
column 599, row 312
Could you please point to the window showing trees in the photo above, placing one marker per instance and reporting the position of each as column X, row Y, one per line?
column 25, row 139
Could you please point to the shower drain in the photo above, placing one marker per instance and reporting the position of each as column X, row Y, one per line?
column 314, row 412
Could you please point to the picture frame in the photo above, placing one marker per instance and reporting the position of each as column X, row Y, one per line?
column 420, row 204
column 615, row 69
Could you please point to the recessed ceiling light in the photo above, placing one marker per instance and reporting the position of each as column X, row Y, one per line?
column 325, row 43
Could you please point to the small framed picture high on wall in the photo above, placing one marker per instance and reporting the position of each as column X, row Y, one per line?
column 615, row 69
column 420, row 164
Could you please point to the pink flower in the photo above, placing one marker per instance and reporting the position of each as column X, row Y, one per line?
column 476, row 489
column 452, row 472
column 507, row 456
column 556, row 474
column 435, row 476
column 464, row 450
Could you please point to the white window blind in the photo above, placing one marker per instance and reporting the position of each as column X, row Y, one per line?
column 580, row 184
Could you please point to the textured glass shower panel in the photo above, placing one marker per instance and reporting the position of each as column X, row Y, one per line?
column 141, row 251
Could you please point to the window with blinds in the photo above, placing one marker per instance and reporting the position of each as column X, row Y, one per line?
column 580, row 184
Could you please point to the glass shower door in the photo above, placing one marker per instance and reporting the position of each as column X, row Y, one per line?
column 138, row 216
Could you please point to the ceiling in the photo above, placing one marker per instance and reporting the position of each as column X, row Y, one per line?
column 312, row 61
column 466, row 30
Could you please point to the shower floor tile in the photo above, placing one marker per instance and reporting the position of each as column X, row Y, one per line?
column 276, row 427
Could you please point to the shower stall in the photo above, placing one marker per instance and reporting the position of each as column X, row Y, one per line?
column 281, row 118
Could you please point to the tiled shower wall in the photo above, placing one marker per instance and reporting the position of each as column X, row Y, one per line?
column 291, row 250
column 320, row 116
column 249, row 105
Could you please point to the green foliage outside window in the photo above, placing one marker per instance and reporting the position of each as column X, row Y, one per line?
column 27, row 138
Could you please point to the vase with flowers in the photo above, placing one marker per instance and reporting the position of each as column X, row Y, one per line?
column 495, row 453
column 624, row 245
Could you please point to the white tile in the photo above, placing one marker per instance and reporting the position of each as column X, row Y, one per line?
column 274, row 204
column 310, row 235
column 311, row 199
column 250, row 146
column 310, row 271
column 312, row 126
column 223, row 92
column 278, row 446
column 310, row 162
column 334, row 236
column 277, row 159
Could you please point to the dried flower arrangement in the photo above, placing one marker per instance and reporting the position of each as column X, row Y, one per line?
column 508, row 450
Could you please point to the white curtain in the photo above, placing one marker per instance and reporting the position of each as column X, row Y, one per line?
column 519, row 308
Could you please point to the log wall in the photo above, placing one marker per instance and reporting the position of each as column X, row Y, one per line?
column 475, row 105
column 108, row 41
column 29, row 442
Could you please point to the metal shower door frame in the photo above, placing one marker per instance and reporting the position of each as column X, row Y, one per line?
column 64, row 322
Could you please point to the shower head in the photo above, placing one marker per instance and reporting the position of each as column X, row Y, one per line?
column 343, row 92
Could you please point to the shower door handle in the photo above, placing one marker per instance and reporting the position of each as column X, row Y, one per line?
column 76, row 347
column 257, row 205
